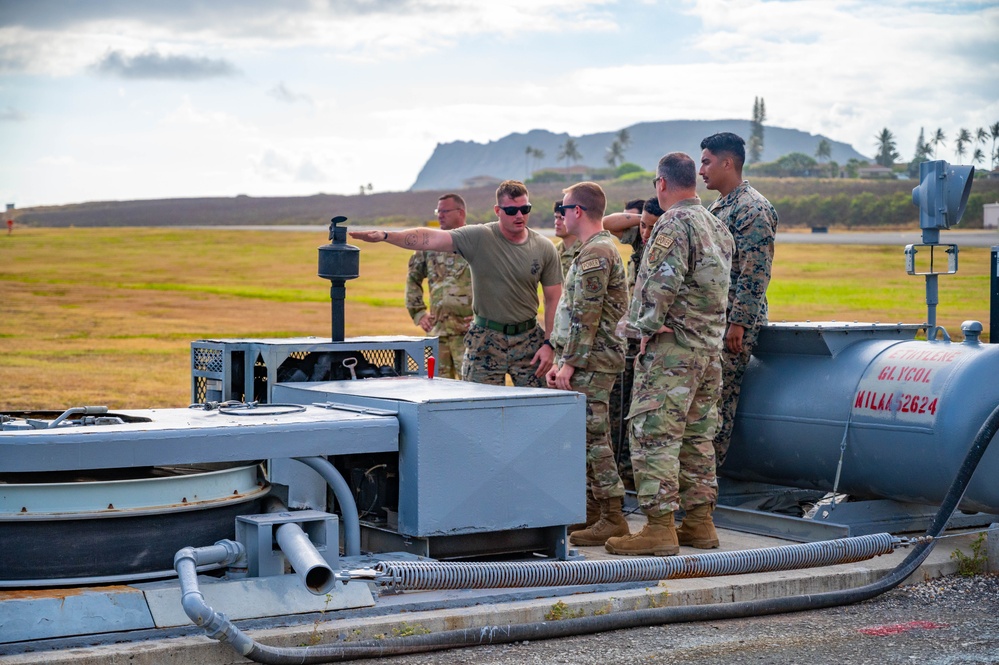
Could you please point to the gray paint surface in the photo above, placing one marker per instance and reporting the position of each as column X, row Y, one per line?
column 474, row 458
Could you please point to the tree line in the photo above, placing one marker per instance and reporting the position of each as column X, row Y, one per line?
column 966, row 143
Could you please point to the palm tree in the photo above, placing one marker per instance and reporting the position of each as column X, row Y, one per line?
column 538, row 154
column 981, row 136
column 922, row 154
column 978, row 157
column 569, row 151
column 615, row 153
column 624, row 138
column 962, row 140
column 823, row 151
column 531, row 154
column 754, row 147
column 937, row 140
column 994, row 132
column 885, row 143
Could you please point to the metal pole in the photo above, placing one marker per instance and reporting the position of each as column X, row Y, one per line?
column 994, row 298
column 932, row 299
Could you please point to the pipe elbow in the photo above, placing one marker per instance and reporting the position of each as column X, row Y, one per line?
column 185, row 554
column 196, row 608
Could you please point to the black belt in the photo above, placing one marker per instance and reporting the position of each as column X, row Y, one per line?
column 506, row 328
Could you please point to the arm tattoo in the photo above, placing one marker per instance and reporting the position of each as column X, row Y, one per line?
column 411, row 239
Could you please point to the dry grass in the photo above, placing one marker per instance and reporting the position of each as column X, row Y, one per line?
column 106, row 315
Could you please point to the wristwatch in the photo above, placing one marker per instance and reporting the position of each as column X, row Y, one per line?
column 548, row 343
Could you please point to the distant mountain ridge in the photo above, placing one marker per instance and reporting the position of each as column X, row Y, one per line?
column 451, row 163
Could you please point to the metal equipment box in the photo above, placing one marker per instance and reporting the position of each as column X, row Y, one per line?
column 246, row 370
column 473, row 458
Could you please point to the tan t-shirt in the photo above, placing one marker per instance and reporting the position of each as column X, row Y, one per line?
column 505, row 276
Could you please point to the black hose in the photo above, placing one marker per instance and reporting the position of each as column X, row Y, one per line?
column 648, row 617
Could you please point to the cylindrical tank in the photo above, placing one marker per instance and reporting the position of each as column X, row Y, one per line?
column 119, row 524
column 903, row 412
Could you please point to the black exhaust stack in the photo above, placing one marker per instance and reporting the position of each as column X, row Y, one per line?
column 338, row 262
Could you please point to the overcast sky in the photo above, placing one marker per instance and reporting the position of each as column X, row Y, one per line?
column 126, row 99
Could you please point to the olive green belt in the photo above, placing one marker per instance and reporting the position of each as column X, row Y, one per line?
column 506, row 328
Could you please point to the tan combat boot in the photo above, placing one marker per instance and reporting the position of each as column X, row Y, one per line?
column 610, row 524
column 592, row 515
column 697, row 528
column 658, row 538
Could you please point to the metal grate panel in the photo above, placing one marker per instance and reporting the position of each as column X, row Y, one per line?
column 200, row 390
column 380, row 356
column 208, row 360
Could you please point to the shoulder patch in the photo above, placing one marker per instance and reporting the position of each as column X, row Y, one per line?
column 663, row 241
column 592, row 264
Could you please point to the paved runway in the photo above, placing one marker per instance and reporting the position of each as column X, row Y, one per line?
column 963, row 238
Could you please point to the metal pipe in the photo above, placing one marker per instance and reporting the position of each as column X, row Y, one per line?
column 305, row 559
column 86, row 410
column 216, row 625
column 348, row 507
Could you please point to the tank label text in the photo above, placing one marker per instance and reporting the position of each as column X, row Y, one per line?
column 905, row 384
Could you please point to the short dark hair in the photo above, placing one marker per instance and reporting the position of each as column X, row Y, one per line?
column 556, row 206
column 634, row 204
column 511, row 189
column 591, row 195
column 460, row 202
column 726, row 143
column 652, row 207
column 678, row 170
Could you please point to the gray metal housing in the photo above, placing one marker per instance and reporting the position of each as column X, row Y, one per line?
column 474, row 458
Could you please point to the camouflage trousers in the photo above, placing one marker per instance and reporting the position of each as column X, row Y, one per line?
column 450, row 349
column 672, row 448
column 733, row 368
column 620, row 404
column 602, row 479
column 490, row 356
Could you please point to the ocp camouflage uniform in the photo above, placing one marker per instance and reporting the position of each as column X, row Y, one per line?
column 682, row 283
column 449, row 281
column 621, row 394
column 752, row 221
column 567, row 254
column 594, row 298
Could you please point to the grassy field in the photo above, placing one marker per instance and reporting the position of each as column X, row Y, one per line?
column 106, row 315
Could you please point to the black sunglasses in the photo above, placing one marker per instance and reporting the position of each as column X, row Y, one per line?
column 512, row 210
column 561, row 209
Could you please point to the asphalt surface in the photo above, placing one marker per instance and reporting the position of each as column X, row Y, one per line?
column 953, row 620
column 964, row 238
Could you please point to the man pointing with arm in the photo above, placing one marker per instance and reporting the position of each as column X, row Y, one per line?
column 508, row 261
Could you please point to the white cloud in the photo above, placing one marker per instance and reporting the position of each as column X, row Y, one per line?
column 56, row 160
column 335, row 93
column 283, row 93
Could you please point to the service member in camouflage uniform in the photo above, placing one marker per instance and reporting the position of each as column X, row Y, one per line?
column 566, row 244
column 678, row 309
column 626, row 227
column 753, row 223
column 589, row 354
column 634, row 226
column 449, row 281
column 508, row 262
